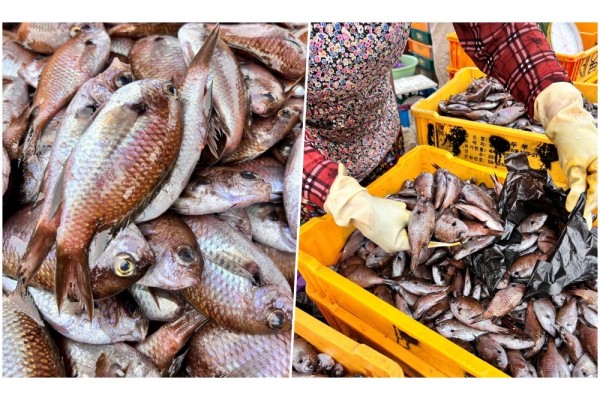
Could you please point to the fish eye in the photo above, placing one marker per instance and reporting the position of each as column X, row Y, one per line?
column 268, row 96
column 124, row 265
column 86, row 27
column 133, row 309
column 74, row 30
column 170, row 90
column 284, row 113
column 185, row 254
column 276, row 320
column 123, row 79
column 251, row 176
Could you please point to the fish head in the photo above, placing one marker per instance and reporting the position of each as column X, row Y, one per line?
column 125, row 261
column 179, row 263
column 161, row 97
column 92, row 38
column 248, row 182
column 122, row 319
column 117, row 75
column 274, row 304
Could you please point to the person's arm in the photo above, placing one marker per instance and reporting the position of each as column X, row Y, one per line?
column 520, row 57
column 318, row 173
column 517, row 54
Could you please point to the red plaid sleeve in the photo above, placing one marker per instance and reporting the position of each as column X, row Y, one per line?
column 318, row 173
column 517, row 54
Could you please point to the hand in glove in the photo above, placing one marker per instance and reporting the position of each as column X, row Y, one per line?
column 380, row 220
column 571, row 128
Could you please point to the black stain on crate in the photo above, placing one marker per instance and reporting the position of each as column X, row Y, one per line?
column 456, row 137
column 430, row 134
column 404, row 339
column 500, row 146
column 547, row 153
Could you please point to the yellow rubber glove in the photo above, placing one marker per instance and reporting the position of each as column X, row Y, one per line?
column 571, row 128
column 381, row 220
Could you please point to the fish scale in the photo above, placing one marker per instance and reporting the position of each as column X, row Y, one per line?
column 217, row 352
column 27, row 348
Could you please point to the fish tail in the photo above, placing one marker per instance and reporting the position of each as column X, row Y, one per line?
column 187, row 324
column 478, row 318
column 34, row 134
column 39, row 246
column 72, row 271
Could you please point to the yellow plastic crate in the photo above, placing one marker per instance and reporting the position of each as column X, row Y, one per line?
column 355, row 358
column 581, row 67
column 363, row 316
column 485, row 144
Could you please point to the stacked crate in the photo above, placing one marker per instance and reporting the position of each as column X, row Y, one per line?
column 419, row 45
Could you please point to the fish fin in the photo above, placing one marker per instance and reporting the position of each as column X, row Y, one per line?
column 205, row 54
column 433, row 244
column 72, row 270
column 18, row 127
column 107, row 368
column 176, row 364
column 98, row 245
column 40, row 244
column 24, row 302
column 478, row 318
column 232, row 266
column 216, row 132
column 187, row 324
column 154, row 295
column 57, row 196
column 290, row 92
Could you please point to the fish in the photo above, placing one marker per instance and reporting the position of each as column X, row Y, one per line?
column 518, row 366
column 292, row 186
column 91, row 96
column 453, row 191
column 32, row 71
column 428, row 301
column 158, row 56
column 15, row 99
column 492, row 352
column 266, row 131
column 141, row 30
column 240, row 287
column 178, row 263
column 163, row 345
column 546, row 314
column 512, row 341
column 28, row 350
column 117, row 319
column 490, row 220
column 45, row 37
column 421, row 226
column 440, row 181
column 567, row 315
column 270, row 227
column 534, row 330
column 158, row 304
column 219, row 189
column 195, row 94
column 585, row 368
column 589, row 297
column 230, row 102
column 304, row 356
column 365, row 277
column 551, row 364
column 457, row 330
column 589, row 339
column 84, row 360
column 82, row 57
column 273, row 46
column 572, row 343
column 503, row 302
column 424, row 186
column 523, row 266
column 124, row 261
column 281, row 150
column 378, row 258
column 264, row 89
column 111, row 190
column 533, row 222
column 464, row 308
column 270, row 170
column 473, row 245
column 120, row 48
column 476, row 196
column 419, row 286
column 14, row 57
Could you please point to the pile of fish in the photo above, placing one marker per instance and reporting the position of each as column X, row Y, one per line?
column 487, row 101
column 151, row 178
column 545, row 337
column 307, row 362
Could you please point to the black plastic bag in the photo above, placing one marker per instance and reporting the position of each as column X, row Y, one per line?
column 526, row 191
